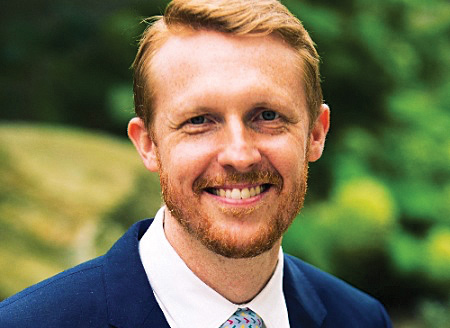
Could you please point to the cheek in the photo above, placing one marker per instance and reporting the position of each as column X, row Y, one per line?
column 287, row 154
column 186, row 161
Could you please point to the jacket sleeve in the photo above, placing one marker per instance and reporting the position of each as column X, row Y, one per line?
column 385, row 316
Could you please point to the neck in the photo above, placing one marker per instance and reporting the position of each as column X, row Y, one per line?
column 234, row 279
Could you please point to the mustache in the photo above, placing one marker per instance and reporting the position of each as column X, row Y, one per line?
column 256, row 177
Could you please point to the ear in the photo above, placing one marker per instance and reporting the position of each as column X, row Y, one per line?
column 143, row 142
column 318, row 133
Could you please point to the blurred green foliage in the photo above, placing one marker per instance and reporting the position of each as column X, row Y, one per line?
column 382, row 218
column 378, row 210
column 62, row 191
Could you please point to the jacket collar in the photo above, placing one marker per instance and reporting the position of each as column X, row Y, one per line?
column 131, row 302
column 305, row 309
column 130, row 299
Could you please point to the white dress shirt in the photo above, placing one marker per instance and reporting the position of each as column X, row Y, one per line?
column 186, row 301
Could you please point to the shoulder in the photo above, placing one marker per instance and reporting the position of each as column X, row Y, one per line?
column 344, row 304
column 69, row 299
column 326, row 285
column 110, row 288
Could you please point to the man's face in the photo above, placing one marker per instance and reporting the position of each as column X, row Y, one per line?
column 230, row 138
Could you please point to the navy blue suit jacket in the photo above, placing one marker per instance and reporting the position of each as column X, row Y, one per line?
column 113, row 291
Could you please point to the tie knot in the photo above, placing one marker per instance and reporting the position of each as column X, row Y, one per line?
column 243, row 318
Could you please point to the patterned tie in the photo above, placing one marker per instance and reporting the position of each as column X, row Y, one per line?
column 244, row 318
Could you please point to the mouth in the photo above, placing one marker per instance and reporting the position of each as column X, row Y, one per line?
column 239, row 193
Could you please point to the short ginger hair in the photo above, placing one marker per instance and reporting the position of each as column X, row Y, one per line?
column 236, row 17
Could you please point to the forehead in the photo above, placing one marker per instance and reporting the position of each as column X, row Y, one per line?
column 196, row 41
column 220, row 60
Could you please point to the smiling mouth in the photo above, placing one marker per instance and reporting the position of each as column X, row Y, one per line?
column 237, row 193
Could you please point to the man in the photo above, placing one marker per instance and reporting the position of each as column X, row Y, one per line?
column 229, row 113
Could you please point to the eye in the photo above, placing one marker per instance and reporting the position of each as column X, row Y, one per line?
column 197, row 120
column 268, row 115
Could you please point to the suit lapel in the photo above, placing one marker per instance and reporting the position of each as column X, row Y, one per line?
column 130, row 299
column 131, row 302
column 304, row 306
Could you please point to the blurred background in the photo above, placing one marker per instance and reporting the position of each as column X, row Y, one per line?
column 378, row 209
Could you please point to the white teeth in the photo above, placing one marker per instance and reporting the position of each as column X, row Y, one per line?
column 245, row 193
column 235, row 193
column 228, row 193
column 257, row 190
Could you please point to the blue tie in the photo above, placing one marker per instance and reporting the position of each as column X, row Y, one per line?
column 244, row 318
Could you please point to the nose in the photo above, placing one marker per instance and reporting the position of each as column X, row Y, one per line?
column 238, row 149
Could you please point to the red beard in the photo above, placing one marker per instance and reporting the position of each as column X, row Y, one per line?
column 193, row 218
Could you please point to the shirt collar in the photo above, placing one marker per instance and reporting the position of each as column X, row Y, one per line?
column 185, row 299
